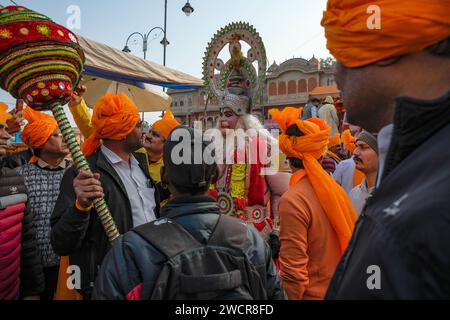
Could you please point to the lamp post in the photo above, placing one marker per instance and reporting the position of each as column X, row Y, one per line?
column 187, row 9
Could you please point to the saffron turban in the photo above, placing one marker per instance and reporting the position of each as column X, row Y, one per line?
column 114, row 118
column 405, row 27
column 309, row 148
column 166, row 124
column 38, row 130
column 348, row 140
column 4, row 115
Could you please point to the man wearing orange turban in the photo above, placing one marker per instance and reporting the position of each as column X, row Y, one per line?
column 154, row 142
column 43, row 175
column 37, row 136
column 332, row 156
column 393, row 68
column 316, row 216
column 119, row 174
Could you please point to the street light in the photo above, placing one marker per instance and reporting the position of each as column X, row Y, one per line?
column 187, row 9
column 145, row 38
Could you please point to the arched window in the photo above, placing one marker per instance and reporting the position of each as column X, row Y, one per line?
column 272, row 89
column 282, row 88
column 302, row 87
column 292, row 87
column 312, row 83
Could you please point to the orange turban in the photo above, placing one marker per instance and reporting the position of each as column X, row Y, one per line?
column 166, row 124
column 406, row 27
column 309, row 148
column 348, row 140
column 334, row 141
column 38, row 130
column 4, row 115
column 114, row 118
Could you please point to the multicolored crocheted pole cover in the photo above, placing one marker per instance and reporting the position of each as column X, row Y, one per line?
column 41, row 62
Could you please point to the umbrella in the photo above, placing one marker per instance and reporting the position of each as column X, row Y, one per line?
column 147, row 98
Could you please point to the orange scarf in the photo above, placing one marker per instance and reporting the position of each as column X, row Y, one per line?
column 406, row 27
column 38, row 130
column 310, row 148
column 114, row 118
column 297, row 176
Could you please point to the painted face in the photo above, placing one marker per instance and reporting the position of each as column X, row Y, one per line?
column 228, row 119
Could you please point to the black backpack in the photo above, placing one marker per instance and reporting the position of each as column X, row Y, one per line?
column 217, row 270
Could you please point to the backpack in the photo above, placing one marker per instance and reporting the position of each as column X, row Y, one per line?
column 217, row 270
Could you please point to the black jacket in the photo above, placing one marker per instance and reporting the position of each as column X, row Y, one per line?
column 134, row 261
column 80, row 235
column 403, row 234
column 12, row 187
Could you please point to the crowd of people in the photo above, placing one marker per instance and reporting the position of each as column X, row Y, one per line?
column 365, row 191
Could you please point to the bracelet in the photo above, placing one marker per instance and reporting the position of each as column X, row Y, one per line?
column 81, row 208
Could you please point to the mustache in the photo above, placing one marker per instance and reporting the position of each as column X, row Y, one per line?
column 357, row 158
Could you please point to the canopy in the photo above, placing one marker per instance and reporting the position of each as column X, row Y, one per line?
column 150, row 99
column 109, row 63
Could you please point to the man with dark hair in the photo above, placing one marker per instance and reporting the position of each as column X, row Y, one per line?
column 311, row 109
column 196, row 232
column 394, row 74
column 119, row 174
column 365, row 157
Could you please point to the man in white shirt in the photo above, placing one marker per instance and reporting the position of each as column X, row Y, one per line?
column 119, row 174
column 366, row 160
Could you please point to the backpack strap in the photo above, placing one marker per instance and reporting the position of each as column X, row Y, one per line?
column 169, row 237
column 230, row 232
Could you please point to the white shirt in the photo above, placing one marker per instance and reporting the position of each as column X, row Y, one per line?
column 141, row 196
column 359, row 195
column 314, row 112
column 344, row 174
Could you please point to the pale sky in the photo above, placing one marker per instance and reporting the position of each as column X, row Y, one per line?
column 289, row 28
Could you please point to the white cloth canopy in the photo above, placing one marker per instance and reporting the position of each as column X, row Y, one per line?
column 109, row 63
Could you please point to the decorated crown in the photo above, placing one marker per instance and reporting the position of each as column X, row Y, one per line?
column 40, row 61
column 236, row 83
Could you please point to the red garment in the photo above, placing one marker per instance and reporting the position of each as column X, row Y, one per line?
column 10, row 247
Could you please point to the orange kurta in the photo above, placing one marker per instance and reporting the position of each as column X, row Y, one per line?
column 310, row 249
